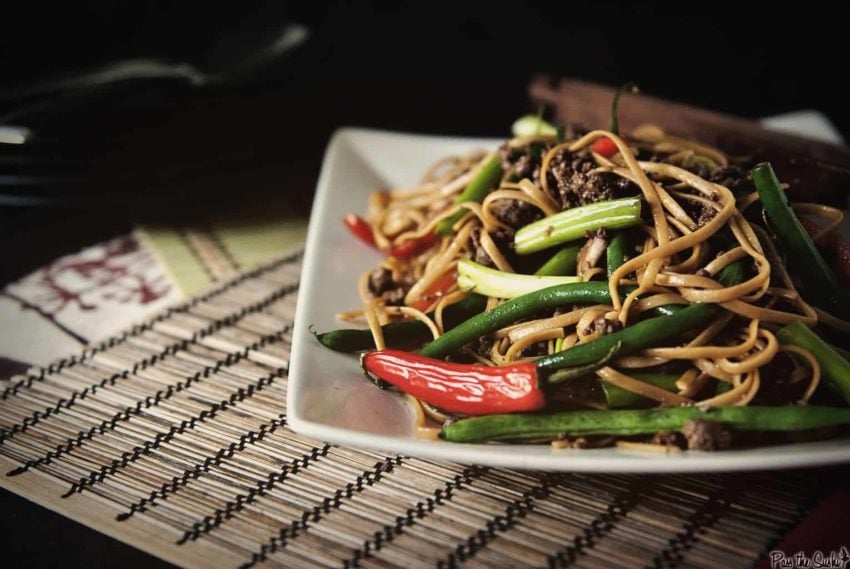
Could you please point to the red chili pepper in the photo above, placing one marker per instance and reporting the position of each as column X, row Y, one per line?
column 605, row 147
column 837, row 245
column 412, row 247
column 471, row 389
column 360, row 228
column 437, row 289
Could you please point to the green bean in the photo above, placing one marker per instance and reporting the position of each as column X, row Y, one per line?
column 636, row 337
column 476, row 190
column 619, row 398
column 835, row 369
column 573, row 223
column 644, row 334
column 525, row 306
column 563, row 262
column 514, row 310
column 820, row 282
column 616, row 254
column 639, row 422
column 401, row 334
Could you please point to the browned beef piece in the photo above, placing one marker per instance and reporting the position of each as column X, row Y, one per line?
column 668, row 438
column 699, row 212
column 381, row 284
column 522, row 162
column 707, row 435
column 572, row 184
column 515, row 213
column 605, row 326
column 736, row 178
column 480, row 255
column 395, row 297
column 380, row 281
column 776, row 385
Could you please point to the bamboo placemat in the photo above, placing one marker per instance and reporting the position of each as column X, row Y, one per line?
column 173, row 437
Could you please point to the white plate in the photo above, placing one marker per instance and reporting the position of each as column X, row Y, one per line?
column 330, row 400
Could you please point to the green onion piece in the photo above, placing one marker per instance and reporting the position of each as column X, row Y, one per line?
column 491, row 282
column 573, row 223
column 835, row 369
column 531, row 125
column 562, row 263
column 807, row 263
column 487, row 178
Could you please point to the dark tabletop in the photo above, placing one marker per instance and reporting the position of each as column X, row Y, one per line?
column 146, row 149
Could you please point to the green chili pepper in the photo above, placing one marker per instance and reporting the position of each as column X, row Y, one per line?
column 564, row 262
column 835, row 369
column 640, row 422
column 476, row 190
column 401, row 334
column 572, row 224
column 821, row 284
column 617, row 251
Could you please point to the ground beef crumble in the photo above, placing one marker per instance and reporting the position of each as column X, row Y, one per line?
column 706, row 435
column 573, row 184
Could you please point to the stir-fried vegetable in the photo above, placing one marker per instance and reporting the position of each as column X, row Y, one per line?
column 485, row 180
column 836, row 370
column 490, row 282
column 617, row 252
column 808, row 264
column 572, row 224
column 640, row 422
column 563, row 262
column 531, row 125
column 471, row 389
column 409, row 333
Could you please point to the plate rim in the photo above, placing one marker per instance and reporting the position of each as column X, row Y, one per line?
column 796, row 455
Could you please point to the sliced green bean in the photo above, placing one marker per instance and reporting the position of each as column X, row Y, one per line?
column 835, row 369
column 821, row 284
column 564, row 262
column 639, row 422
column 402, row 334
column 572, row 224
column 486, row 179
column 616, row 253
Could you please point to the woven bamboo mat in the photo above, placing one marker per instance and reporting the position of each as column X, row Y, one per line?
column 173, row 437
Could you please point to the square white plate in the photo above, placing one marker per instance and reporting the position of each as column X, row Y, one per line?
column 330, row 400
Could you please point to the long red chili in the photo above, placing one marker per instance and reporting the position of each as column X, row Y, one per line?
column 471, row 389
column 604, row 146
column 412, row 247
column 360, row 228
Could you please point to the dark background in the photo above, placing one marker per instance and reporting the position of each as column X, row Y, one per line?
column 166, row 151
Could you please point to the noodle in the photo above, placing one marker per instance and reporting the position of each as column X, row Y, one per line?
column 692, row 230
